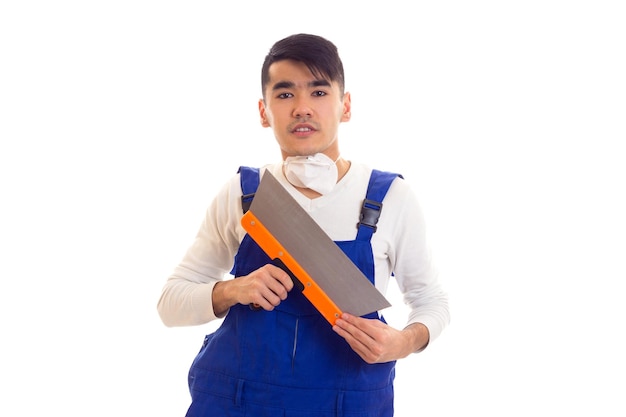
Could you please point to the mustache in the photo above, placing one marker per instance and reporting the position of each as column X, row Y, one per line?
column 302, row 121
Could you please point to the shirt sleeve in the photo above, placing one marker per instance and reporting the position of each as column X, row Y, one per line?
column 412, row 261
column 186, row 298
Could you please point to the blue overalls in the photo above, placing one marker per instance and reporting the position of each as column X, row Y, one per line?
column 289, row 362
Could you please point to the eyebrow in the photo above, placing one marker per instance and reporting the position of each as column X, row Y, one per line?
column 288, row 84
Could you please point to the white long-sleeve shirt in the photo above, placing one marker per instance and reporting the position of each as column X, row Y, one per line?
column 399, row 245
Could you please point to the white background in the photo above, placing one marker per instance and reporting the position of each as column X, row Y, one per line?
column 119, row 120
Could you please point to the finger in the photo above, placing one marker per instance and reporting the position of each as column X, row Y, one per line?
column 281, row 276
column 362, row 331
column 277, row 281
column 272, row 285
column 347, row 330
column 354, row 343
column 265, row 302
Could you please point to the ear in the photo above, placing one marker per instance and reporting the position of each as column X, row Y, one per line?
column 263, row 114
column 347, row 108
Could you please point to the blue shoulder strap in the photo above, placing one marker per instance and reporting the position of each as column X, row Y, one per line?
column 250, row 179
column 379, row 184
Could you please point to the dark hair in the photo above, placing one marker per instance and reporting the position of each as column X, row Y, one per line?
column 317, row 53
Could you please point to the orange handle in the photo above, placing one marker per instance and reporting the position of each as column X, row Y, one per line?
column 274, row 249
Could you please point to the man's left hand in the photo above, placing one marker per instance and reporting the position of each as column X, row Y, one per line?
column 377, row 342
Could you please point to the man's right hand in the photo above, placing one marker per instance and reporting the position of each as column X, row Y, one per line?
column 264, row 289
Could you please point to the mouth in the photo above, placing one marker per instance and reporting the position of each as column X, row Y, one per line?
column 303, row 129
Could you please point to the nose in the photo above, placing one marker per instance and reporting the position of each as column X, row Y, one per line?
column 302, row 108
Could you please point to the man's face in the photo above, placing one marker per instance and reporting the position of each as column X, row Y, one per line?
column 304, row 111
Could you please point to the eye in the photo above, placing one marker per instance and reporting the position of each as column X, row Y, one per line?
column 319, row 93
column 285, row 95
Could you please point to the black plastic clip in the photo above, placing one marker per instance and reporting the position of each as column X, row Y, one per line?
column 246, row 200
column 370, row 212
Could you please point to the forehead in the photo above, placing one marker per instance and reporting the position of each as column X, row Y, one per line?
column 294, row 73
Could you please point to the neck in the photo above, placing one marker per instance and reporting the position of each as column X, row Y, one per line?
column 342, row 167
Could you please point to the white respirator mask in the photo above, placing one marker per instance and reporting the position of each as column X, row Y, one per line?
column 317, row 172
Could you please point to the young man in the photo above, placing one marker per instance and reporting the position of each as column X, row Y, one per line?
column 283, row 357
